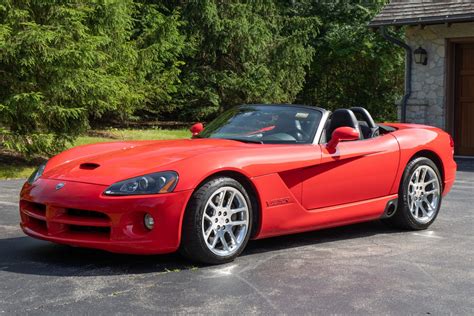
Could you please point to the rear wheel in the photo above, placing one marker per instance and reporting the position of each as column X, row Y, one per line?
column 217, row 222
column 419, row 196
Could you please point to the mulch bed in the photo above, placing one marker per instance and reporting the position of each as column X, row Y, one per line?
column 14, row 159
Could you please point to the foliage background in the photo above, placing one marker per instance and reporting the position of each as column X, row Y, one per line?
column 68, row 65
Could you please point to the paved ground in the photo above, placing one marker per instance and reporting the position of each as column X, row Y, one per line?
column 360, row 269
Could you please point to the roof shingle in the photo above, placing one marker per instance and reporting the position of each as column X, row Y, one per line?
column 412, row 12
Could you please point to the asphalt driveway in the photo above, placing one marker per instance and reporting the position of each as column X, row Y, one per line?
column 359, row 269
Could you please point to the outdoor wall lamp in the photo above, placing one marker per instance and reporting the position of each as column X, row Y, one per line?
column 421, row 56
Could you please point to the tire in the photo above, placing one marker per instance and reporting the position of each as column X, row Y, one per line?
column 418, row 201
column 214, row 231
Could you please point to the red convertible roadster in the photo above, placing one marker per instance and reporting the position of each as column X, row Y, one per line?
column 256, row 171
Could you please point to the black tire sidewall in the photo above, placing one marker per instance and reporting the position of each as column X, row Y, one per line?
column 405, row 213
column 193, row 243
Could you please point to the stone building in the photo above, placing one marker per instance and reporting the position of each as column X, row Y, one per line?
column 439, row 41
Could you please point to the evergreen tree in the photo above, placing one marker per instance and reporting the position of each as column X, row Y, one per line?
column 242, row 52
column 65, row 63
column 352, row 66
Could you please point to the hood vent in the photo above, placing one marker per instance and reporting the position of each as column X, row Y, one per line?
column 89, row 166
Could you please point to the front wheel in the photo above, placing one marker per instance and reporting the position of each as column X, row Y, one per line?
column 420, row 196
column 217, row 222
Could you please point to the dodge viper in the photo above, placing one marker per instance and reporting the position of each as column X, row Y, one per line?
column 256, row 171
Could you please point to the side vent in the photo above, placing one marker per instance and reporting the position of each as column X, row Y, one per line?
column 89, row 166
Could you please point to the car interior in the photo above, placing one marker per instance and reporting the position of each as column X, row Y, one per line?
column 292, row 127
column 287, row 124
column 355, row 117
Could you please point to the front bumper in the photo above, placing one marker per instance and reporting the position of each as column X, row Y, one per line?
column 80, row 215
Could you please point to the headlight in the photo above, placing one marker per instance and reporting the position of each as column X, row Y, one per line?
column 37, row 173
column 160, row 182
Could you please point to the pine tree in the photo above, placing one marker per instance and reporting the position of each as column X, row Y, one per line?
column 242, row 52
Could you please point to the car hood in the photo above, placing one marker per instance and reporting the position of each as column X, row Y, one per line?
column 108, row 163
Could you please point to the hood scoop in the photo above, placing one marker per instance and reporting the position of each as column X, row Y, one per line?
column 89, row 166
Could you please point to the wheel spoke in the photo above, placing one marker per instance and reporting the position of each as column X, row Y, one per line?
column 214, row 242
column 423, row 211
column 430, row 207
column 238, row 223
column 416, row 176
column 211, row 204
column 207, row 217
column 221, row 198
column 232, row 237
column 430, row 181
column 208, row 232
column 431, row 192
column 231, row 199
column 422, row 175
column 237, row 210
column 224, row 243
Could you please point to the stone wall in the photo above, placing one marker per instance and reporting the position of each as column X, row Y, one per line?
column 427, row 102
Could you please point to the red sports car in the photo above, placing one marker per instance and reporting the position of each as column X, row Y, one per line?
column 254, row 172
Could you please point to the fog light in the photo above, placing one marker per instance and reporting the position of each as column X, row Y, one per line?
column 149, row 221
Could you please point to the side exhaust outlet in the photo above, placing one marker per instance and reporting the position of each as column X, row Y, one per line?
column 390, row 208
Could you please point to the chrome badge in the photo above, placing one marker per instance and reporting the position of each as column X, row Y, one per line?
column 59, row 186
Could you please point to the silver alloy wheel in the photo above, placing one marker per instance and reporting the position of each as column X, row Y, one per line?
column 225, row 221
column 424, row 194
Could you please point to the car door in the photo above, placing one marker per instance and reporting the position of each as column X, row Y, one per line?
column 357, row 171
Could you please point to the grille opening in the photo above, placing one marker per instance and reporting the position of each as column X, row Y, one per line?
column 86, row 214
column 89, row 166
column 33, row 207
column 89, row 229
column 37, row 223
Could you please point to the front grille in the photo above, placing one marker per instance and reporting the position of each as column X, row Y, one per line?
column 86, row 214
column 35, row 208
column 89, row 229
column 58, row 221
column 38, row 225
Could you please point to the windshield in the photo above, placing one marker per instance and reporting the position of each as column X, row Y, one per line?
column 266, row 124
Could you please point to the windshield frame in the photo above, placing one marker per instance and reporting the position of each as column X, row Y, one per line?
column 314, row 136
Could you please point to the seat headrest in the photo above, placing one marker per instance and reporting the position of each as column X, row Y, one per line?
column 343, row 117
column 365, row 115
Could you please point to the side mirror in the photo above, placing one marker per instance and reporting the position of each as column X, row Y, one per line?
column 196, row 129
column 341, row 134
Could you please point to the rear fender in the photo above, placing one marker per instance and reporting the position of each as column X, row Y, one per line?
column 415, row 141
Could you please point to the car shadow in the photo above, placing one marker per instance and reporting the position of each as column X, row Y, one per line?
column 25, row 255
column 329, row 235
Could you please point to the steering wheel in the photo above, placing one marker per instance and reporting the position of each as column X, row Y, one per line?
column 300, row 134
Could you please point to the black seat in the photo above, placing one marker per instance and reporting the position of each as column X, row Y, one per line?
column 365, row 130
column 367, row 126
column 341, row 118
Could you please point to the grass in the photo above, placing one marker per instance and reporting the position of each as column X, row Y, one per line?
column 15, row 172
column 131, row 134
column 14, row 167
